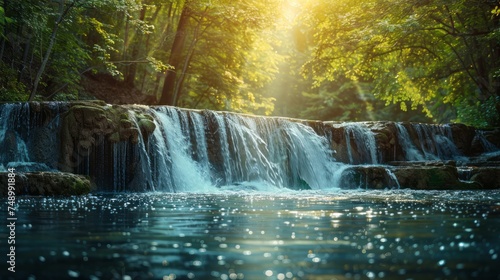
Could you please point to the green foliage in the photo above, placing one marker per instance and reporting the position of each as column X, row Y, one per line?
column 315, row 59
column 480, row 114
column 228, row 63
column 413, row 53
column 3, row 22
column 10, row 88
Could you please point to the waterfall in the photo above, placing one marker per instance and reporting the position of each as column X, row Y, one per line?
column 410, row 150
column 487, row 145
column 433, row 142
column 236, row 150
column 198, row 151
column 436, row 141
column 178, row 169
column 23, row 129
column 120, row 166
column 364, row 143
column 393, row 180
column 204, row 151
column 15, row 149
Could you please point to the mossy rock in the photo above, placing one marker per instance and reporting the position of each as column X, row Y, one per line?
column 125, row 123
column 432, row 178
column 48, row 183
column 147, row 126
column 84, row 123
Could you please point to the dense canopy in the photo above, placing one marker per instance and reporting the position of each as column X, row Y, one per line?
column 433, row 60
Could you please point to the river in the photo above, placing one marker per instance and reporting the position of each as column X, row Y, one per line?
column 235, row 234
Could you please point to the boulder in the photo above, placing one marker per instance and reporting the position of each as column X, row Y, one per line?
column 427, row 177
column 367, row 177
column 47, row 183
column 487, row 177
column 419, row 176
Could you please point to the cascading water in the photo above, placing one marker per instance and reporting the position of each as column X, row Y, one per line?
column 178, row 169
column 436, row 141
column 237, row 150
column 487, row 145
column 410, row 150
column 364, row 143
column 199, row 151
column 15, row 150
column 433, row 142
column 21, row 129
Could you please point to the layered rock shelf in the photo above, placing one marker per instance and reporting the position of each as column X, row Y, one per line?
column 140, row 148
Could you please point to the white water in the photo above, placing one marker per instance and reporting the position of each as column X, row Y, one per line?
column 9, row 117
column 433, row 142
column 364, row 140
column 244, row 151
column 410, row 150
column 436, row 141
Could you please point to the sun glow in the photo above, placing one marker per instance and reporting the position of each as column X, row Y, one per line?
column 289, row 12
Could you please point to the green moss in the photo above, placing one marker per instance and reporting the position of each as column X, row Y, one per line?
column 124, row 116
column 114, row 137
column 147, row 126
column 79, row 186
column 125, row 123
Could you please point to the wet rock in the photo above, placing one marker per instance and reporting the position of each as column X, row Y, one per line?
column 367, row 177
column 487, row 177
column 419, row 176
column 86, row 126
column 443, row 177
column 47, row 183
column 462, row 137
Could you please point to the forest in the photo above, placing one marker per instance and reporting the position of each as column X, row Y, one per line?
column 340, row 60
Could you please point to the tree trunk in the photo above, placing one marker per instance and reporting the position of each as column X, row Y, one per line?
column 187, row 61
column 24, row 63
column 167, row 95
column 52, row 40
column 180, row 81
column 132, row 69
column 147, row 47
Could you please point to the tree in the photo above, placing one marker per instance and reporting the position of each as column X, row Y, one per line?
column 210, row 51
column 64, row 10
column 168, row 96
column 425, row 53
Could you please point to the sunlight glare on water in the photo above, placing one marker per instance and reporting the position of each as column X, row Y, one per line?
column 240, row 235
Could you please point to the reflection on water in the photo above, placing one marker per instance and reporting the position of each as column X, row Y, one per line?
column 302, row 235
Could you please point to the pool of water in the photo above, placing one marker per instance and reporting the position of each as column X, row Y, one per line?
column 240, row 235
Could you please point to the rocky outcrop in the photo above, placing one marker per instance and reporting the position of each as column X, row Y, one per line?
column 422, row 177
column 114, row 145
column 47, row 183
column 443, row 177
column 487, row 177
column 87, row 125
column 368, row 177
column 419, row 176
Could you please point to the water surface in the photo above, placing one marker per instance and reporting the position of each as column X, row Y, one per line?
column 240, row 235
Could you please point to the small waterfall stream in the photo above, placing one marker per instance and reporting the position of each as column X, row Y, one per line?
column 364, row 143
column 433, row 142
column 411, row 152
